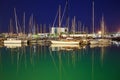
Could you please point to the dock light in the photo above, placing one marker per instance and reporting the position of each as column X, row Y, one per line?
column 99, row 32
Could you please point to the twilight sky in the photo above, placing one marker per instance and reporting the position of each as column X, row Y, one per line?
column 44, row 12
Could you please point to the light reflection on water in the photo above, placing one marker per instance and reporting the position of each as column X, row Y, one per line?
column 41, row 62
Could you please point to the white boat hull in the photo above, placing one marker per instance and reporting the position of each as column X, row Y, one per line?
column 94, row 41
column 24, row 41
column 100, row 41
column 12, row 45
column 12, row 41
column 65, row 42
column 62, row 45
column 104, row 41
column 58, row 47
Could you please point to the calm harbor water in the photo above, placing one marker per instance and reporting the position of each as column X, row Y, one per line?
column 40, row 62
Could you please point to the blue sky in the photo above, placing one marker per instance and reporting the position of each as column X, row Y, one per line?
column 44, row 12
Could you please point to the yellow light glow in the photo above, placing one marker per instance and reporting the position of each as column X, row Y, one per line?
column 99, row 32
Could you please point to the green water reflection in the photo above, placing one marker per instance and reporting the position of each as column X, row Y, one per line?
column 38, row 62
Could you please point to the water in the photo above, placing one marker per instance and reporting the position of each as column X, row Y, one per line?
column 38, row 62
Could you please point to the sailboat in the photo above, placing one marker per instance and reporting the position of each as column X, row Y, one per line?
column 103, row 40
column 13, row 40
column 93, row 41
column 67, row 41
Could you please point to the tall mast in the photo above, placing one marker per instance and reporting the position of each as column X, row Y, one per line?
column 74, row 22
column 102, row 26
column 83, row 28
column 24, row 22
column 32, row 24
column 79, row 26
column 93, row 16
column 73, row 25
column 59, row 16
column 11, row 27
column 67, row 16
column 16, row 20
column 44, row 28
column 40, row 28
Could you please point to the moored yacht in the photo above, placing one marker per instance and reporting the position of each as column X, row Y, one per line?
column 12, row 41
column 64, row 42
column 67, row 41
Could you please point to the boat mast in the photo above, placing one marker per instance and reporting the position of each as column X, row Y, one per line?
column 40, row 28
column 102, row 27
column 16, row 20
column 11, row 27
column 74, row 25
column 24, row 22
column 59, row 18
column 32, row 24
column 55, row 19
column 93, row 16
column 44, row 28
column 67, row 15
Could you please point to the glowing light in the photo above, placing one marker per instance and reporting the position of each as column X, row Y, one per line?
column 99, row 32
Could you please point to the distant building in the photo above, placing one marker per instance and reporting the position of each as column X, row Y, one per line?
column 58, row 30
column 43, row 35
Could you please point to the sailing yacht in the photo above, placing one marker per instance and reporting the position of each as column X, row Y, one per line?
column 101, row 40
column 93, row 41
column 12, row 41
column 66, row 42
